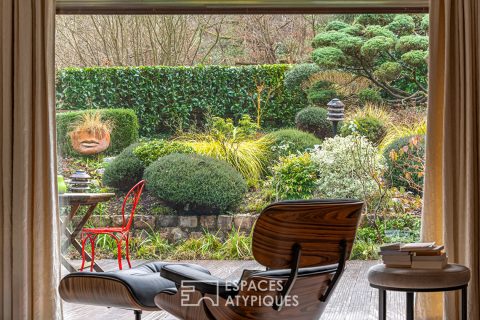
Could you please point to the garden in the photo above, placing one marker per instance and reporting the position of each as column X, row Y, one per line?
column 217, row 144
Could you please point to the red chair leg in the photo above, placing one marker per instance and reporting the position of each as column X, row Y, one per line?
column 84, row 240
column 119, row 253
column 127, row 253
column 92, row 242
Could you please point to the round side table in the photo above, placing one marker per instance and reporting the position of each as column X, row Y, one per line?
column 453, row 277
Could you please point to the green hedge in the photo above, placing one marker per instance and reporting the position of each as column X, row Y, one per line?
column 124, row 133
column 172, row 98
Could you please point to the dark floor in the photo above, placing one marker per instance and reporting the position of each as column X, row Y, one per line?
column 353, row 298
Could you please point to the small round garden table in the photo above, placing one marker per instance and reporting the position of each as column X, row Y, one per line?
column 452, row 277
column 75, row 200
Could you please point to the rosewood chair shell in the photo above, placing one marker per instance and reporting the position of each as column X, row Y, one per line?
column 303, row 245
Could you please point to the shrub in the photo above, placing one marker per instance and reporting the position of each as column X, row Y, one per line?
column 195, row 184
column 299, row 74
column 124, row 171
column 369, row 127
column 321, row 93
column 291, row 141
column 236, row 145
column 348, row 168
column 150, row 151
column 314, row 120
column 405, row 159
column 124, row 132
column 370, row 96
column 294, row 177
column 175, row 98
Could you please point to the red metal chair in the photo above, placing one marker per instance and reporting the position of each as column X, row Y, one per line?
column 117, row 233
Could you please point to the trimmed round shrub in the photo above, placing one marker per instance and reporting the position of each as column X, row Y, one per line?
column 314, row 120
column 195, row 184
column 369, row 127
column 124, row 132
column 405, row 160
column 291, row 141
column 124, row 171
column 370, row 96
column 150, row 151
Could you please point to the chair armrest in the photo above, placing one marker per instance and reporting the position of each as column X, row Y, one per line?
column 183, row 275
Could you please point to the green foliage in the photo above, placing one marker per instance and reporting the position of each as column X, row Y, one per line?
column 178, row 98
column 388, row 71
column 381, row 49
column 415, row 58
column 347, row 167
column 374, row 19
column 124, row 123
column 294, row 177
column 124, row 171
column 321, row 93
column 236, row 145
column 195, row 184
column 314, row 120
column 291, row 141
column 150, row 151
column 370, row 96
column 412, row 42
column 237, row 246
column 369, row 127
column 328, row 57
column 402, row 228
column 402, row 25
column 405, row 160
column 299, row 74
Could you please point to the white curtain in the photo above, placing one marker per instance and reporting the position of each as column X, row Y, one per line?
column 452, row 179
column 29, row 241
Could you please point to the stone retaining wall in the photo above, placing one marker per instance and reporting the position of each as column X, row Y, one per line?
column 175, row 228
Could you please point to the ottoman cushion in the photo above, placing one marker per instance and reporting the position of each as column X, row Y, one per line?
column 453, row 275
column 131, row 289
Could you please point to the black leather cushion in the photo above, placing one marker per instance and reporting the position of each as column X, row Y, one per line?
column 143, row 282
column 205, row 283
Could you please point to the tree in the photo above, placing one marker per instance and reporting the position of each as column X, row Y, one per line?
column 389, row 50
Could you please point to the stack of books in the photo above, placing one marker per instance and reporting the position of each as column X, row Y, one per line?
column 414, row 255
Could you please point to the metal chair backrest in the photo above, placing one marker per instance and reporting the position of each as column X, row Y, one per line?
column 130, row 203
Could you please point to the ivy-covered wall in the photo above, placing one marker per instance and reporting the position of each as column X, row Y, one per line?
column 167, row 99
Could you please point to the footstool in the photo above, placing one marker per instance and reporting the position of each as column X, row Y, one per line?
column 452, row 277
column 133, row 289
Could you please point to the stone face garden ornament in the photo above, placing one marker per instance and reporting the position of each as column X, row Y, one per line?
column 91, row 135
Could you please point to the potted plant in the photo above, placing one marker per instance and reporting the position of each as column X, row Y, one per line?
column 91, row 135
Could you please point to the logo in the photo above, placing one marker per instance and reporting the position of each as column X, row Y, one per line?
column 260, row 293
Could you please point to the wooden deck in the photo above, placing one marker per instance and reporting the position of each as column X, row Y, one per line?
column 353, row 299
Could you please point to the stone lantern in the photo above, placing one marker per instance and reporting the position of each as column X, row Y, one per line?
column 336, row 113
column 80, row 181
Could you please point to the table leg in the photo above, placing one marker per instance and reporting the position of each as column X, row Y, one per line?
column 71, row 236
column 67, row 264
column 464, row 302
column 382, row 304
column 410, row 311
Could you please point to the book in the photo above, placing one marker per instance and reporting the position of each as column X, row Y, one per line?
column 419, row 246
column 393, row 253
column 406, row 258
column 433, row 252
column 440, row 264
column 390, row 247
column 439, row 257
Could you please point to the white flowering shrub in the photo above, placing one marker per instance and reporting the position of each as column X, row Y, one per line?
column 349, row 167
